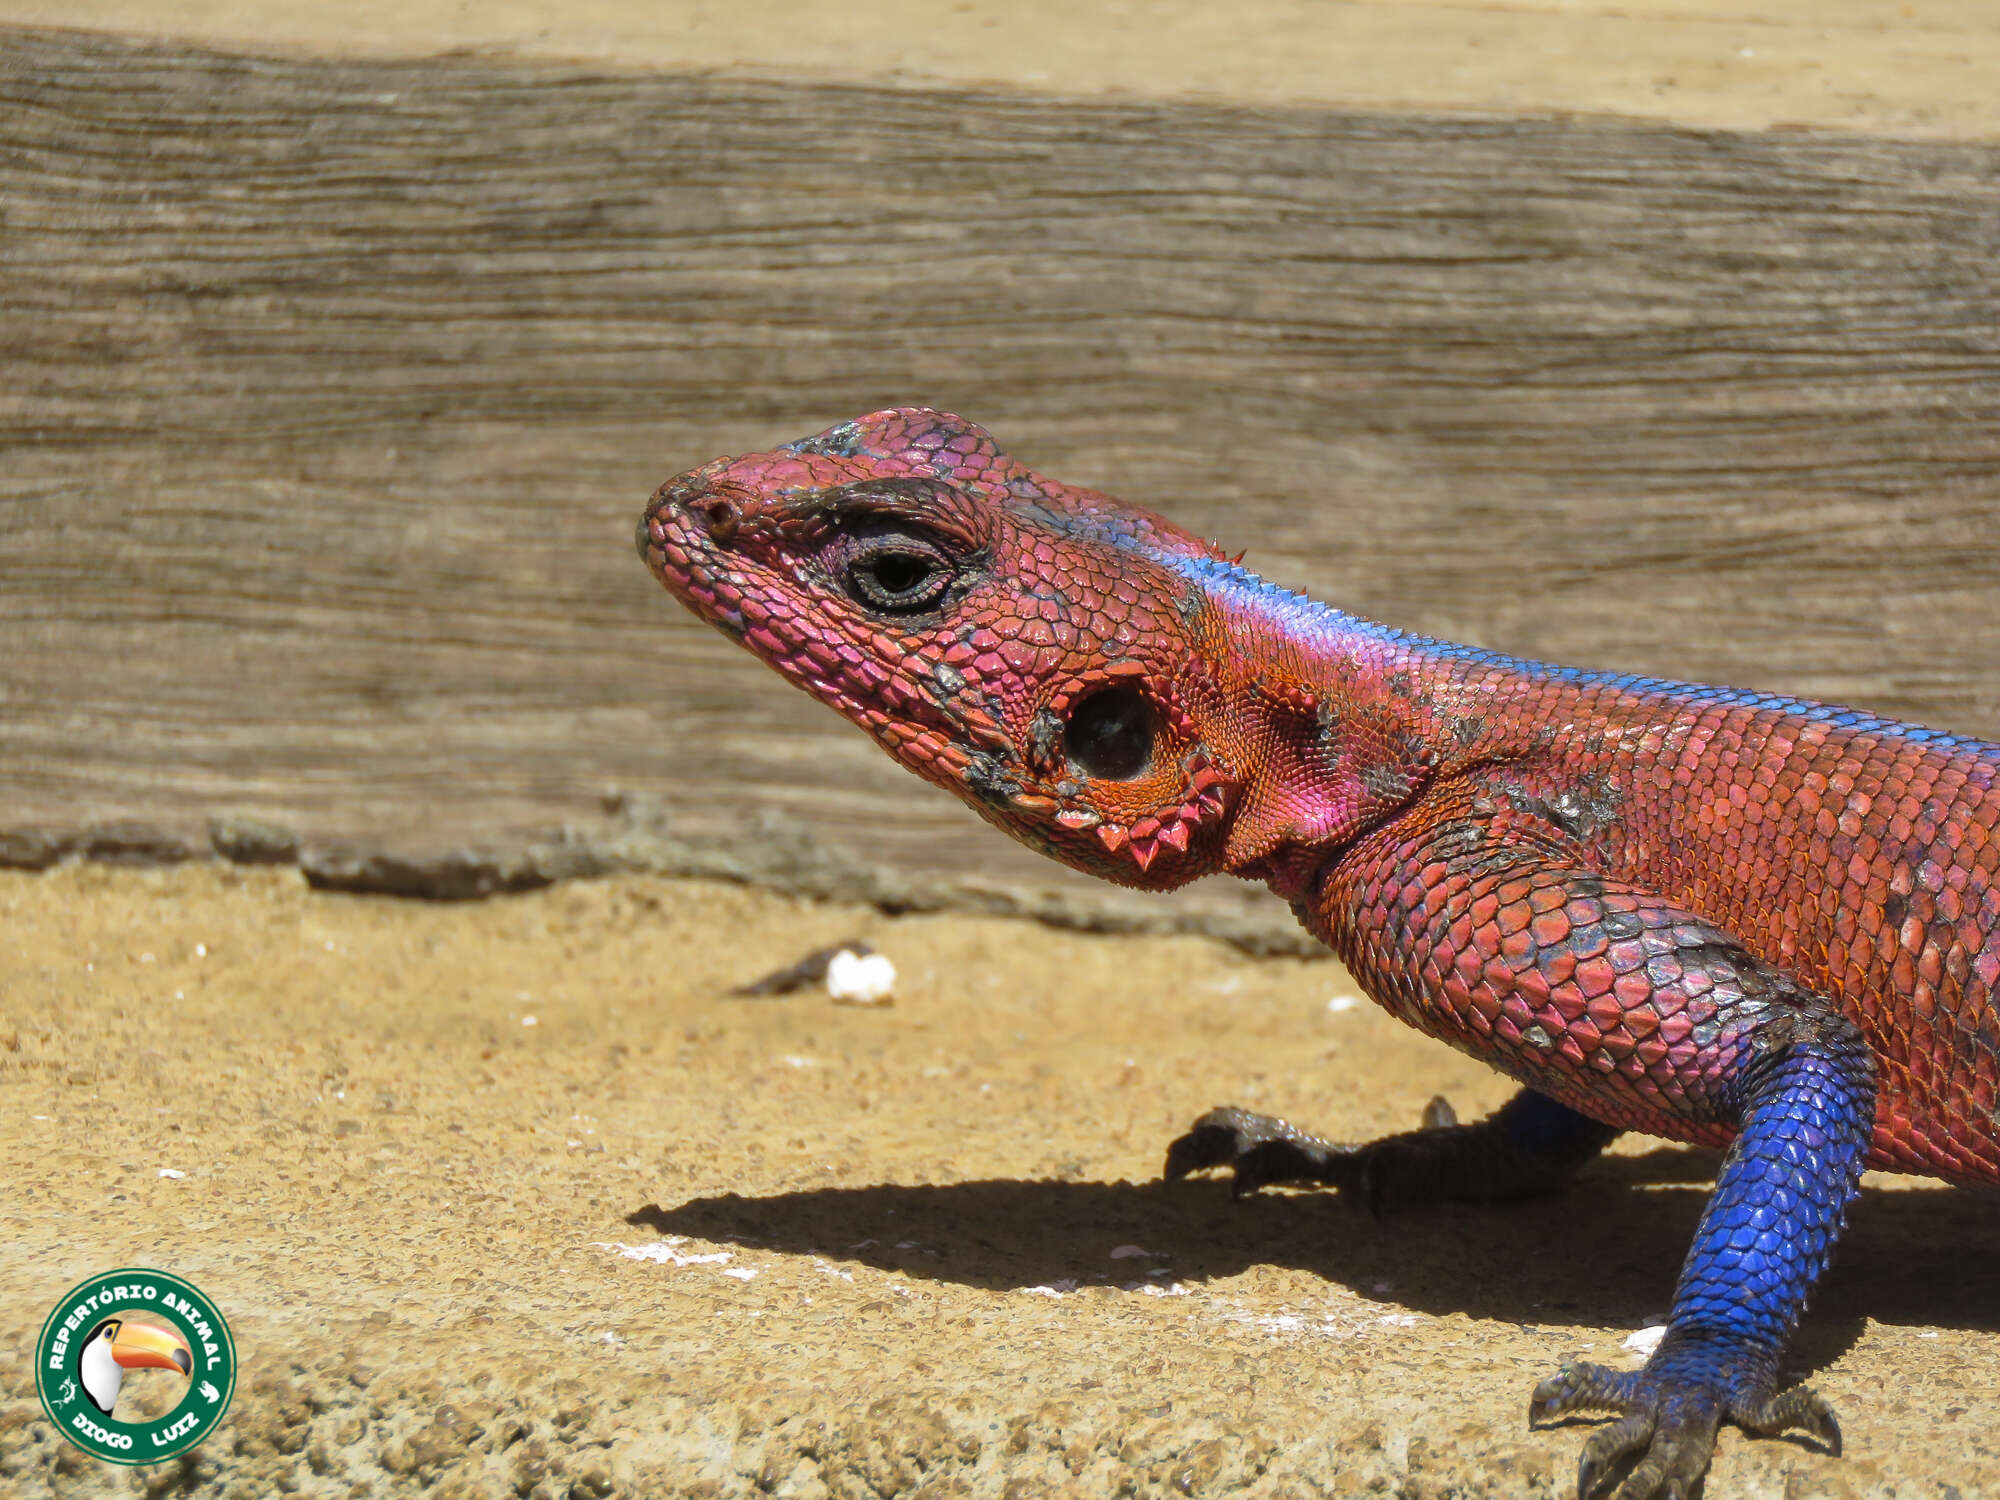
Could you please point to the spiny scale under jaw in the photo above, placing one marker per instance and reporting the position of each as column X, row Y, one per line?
column 1141, row 841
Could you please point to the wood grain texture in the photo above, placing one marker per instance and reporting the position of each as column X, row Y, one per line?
column 1899, row 68
column 333, row 391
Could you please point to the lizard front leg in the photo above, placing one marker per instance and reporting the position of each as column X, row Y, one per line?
column 1485, row 925
column 1527, row 1147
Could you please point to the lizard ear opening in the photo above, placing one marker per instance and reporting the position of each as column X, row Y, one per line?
column 1109, row 735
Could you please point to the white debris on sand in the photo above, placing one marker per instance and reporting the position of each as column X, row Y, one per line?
column 1646, row 1340
column 663, row 1253
column 1363, row 1319
column 860, row 978
column 1057, row 1290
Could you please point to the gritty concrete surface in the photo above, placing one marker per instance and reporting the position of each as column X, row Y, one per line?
column 1891, row 67
column 507, row 1198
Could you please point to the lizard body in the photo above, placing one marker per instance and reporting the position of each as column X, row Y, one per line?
column 1716, row 916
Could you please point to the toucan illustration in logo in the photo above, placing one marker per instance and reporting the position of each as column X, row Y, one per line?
column 119, row 1344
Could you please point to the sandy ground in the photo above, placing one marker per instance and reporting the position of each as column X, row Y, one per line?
column 663, row 1242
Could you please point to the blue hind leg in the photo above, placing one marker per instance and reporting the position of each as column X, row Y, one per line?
column 1807, row 1101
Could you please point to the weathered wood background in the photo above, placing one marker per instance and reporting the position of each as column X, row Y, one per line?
column 330, row 392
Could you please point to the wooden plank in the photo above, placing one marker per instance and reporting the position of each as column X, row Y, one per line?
column 334, row 389
column 1889, row 67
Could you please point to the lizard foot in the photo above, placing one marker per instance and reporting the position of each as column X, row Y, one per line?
column 1262, row 1149
column 1259, row 1149
column 1667, row 1419
column 1440, row 1160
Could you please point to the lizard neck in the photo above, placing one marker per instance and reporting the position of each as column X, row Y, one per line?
column 1331, row 723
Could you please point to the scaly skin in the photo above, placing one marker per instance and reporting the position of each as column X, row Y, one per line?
column 1710, row 915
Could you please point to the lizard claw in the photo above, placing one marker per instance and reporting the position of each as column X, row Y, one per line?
column 1800, row 1409
column 1668, row 1422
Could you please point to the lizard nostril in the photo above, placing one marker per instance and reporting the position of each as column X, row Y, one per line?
column 719, row 514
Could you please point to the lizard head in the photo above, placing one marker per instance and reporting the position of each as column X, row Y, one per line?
column 1016, row 641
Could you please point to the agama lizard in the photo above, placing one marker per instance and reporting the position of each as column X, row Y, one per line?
column 1717, row 916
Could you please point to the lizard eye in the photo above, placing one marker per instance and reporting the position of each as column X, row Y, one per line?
column 1109, row 735
column 898, row 575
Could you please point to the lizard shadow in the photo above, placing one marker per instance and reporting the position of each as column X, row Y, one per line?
column 1605, row 1251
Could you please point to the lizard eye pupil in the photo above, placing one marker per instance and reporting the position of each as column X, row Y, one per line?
column 898, row 576
column 1109, row 735
column 899, row 573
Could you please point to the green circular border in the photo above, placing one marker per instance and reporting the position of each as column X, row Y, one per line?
column 189, row 1402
